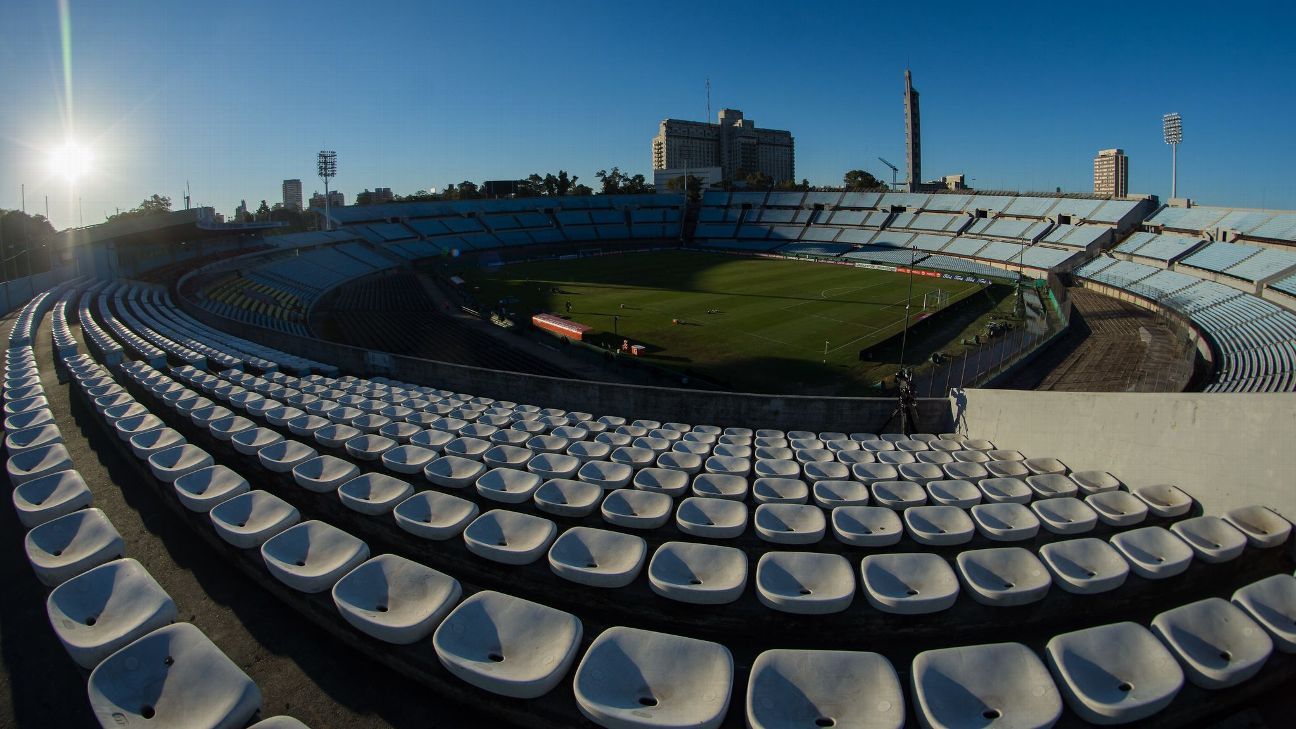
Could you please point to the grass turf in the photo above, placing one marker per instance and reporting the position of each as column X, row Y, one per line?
column 751, row 323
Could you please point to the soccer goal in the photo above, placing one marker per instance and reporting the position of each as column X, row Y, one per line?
column 933, row 300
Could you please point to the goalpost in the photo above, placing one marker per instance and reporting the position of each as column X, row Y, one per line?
column 935, row 299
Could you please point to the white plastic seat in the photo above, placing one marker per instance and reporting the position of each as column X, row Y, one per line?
column 1052, row 486
column 224, row 429
column 369, row 423
column 661, row 445
column 981, row 685
column 1095, row 482
column 635, row 509
column 816, row 471
column 203, row 417
column 711, row 518
column 1117, row 508
column 323, row 474
column 433, row 440
column 29, row 419
column 718, row 486
column 769, row 453
column 636, row 678
column 22, row 405
column 633, row 456
column 660, row 480
column 805, row 583
column 50, row 497
column 1114, row 674
column 313, row 555
column 69, row 545
column 777, row 468
column 200, row 491
column 606, row 474
column 866, row 526
column 699, row 574
column 1085, row 566
column 249, row 519
column 173, row 677
column 172, row 463
column 395, row 599
column 939, row 458
column 1065, row 515
column 614, row 440
column 373, row 494
column 921, row 473
column 1005, row 490
column 832, row 494
column 876, row 445
column 1007, row 469
column 915, row 583
column 780, row 491
column 688, row 463
column 507, row 456
column 145, row 444
column 432, row 514
column 1153, row 553
column 850, row 458
column 507, row 645
column 728, row 465
column 368, row 447
column 1041, row 466
column 1005, row 522
column 597, row 557
column 1263, row 528
column 306, row 425
column 1164, row 500
column 553, row 465
column 249, row 442
column 40, row 436
column 963, row 471
column 1003, row 576
column 898, row 495
column 1271, row 602
column 896, row 458
column 938, row 526
column 335, row 435
column 804, row 688
column 588, row 451
column 954, row 492
column 507, row 485
column 790, row 523
column 1217, row 644
column 1212, row 539
column 453, row 472
column 104, row 608
column 37, row 462
column 407, row 459
column 509, row 537
column 565, row 497
column 470, row 448
column 871, row 473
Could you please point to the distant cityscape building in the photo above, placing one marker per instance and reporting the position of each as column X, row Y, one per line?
column 292, row 194
column 241, row 212
column 913, row 135
column 955, row 182
column 1111, row 173
column 734, row 144
column 336, row 199
column 709, row 176
column 379, row 195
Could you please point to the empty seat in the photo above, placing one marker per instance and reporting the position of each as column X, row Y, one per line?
column 373, row 494
column 565, row 497
column 795, row 688
column 1271, row 602
column 224, row 429
column 1005, row 490
column 606, row 474
column 553, row 465
column 980, row 685
column 453, row 472
column 49, row 497
column 1005, row 522
column 1164, row 500
column 1084, row 566
column 432, row 514
column 1095, row 482
column 42, row 435
column 336, row 435
column 790, row 523
column 909, row 584
column 896, row 458
column 509, row 537
column 311, row 556
column 323, row 474
column 636, row 509
column 1114, row 674
column 507, row 485
column 587, row 451
column 807, row 583
column 248, row 520
column 597, row 557
column 1213, row 539
column 780, row 491
column 1007, row 469
column 507, row 645
column 898, row 495
column 506, row 456
column 103, row 609
column 1153, row 553
column 69, row 545
column 816, row 471
column 1052, row 486
column 395, row 599
column 954, row 492
column 400, row 432
column 368, row 447
column 1117, row 508
column 1215, row 641
column 689, row 463
column 728, row 465
column 37, row 462
column 711, row 518
column 1040, row 466
column 700, row 574
column 660, row 480
column 1065, row 515
column 938, row 525
column 718, row 486
column 832, row 494
column 921, row 473
column 871, row 473
column 638, row 678
column 1263, row 528
column 1003, row 576
column 145, row 444
column 174, row 676
column 866, row 526
column 200, row 491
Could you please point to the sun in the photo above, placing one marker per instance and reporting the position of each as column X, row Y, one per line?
column 71, row 160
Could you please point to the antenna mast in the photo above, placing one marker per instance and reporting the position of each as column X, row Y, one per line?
column 708, row 88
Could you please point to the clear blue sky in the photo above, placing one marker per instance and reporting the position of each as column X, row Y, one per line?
column 236, row 96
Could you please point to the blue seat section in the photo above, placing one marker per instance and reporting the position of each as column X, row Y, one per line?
column 1161, row 247
column 1030, row 207
column 964, row 246
column 821, row 233
column 742, row 245
column 1112, row 211
column 897, row 238
column 1189, row 220
column 963, row 265
column 1043, row 257
column 1265, row 263
column 1080, row 236
column 1286, row 285
column 391, row 231
column 930, row 242
column 815, row 249
column 1280, row 227
column 1219, row 256
column 949, row 203
column 888, row 255
column 1077, row 208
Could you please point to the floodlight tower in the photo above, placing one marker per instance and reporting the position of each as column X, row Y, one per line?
column 327, row 167
column 1172, row 128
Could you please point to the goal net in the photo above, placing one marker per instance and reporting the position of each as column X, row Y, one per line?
column 933, row 300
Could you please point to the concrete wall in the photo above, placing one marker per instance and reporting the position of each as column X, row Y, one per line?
column 1226, row 450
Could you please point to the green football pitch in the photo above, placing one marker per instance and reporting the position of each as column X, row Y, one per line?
column 750, row 323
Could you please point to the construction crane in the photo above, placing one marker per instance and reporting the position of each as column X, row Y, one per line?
column 894, row 170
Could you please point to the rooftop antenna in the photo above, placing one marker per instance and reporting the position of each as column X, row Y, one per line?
column 187, row 197
column 708, row 88
column 894, row 170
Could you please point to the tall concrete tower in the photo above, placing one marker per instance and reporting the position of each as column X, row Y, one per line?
column 913, row 134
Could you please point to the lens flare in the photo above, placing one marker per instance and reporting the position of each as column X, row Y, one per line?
column 71, row 161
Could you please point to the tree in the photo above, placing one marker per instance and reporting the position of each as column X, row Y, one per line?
column 582, row 190
column 758, row 180
column 561, row 184
column 263, row 212
column 154, row 205
column 24, row 234
column 468, row 191
column 637, row 185
column 611, row 181
column 694, row 186
column 862, row 180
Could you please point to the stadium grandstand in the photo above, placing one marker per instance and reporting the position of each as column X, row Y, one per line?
column 231, row 510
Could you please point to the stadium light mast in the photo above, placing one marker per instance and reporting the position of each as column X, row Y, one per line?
column 1172, row 129
column 327, row 167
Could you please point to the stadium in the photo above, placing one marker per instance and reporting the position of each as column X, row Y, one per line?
column 931, row 457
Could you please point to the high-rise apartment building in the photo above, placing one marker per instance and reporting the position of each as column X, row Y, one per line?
column 335, row 199
column 1111, row 173
column 292, row 194
column 734, row 144
column 913, row 135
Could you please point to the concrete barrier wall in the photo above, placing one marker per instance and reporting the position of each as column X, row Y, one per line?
column 782, row 412
column 1226, row 450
